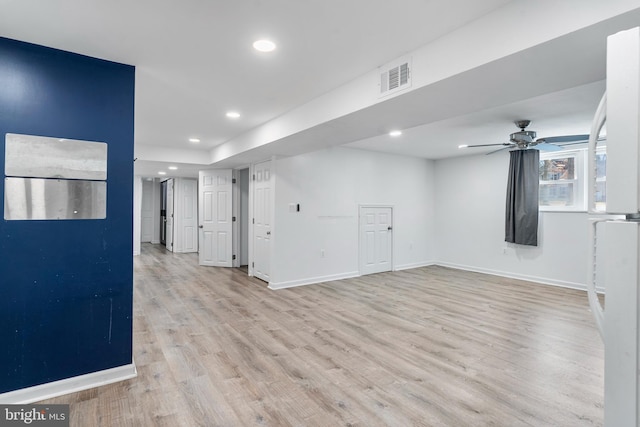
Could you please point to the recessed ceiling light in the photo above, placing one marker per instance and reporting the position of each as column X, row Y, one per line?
column 194, row 140
column 264, row 45
column 233, row 114
column 162, row 173
column 173, row 168
column 395, row 133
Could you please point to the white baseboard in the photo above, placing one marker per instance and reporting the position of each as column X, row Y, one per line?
column 190, row 251
column 313, row 280
column 413, row 265
column 529, row 278
column 510, row 275
column 340, row 276
column 68, row 385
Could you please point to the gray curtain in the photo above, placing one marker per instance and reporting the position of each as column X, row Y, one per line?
column 521, row 225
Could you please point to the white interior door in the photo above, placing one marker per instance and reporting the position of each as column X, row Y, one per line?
column 146, row 217
column 185, row 223
column 262, row 221
column 169, row 236
column 215, row 216
column 376, row 249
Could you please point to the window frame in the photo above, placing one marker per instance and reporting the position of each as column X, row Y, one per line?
column 579, row 182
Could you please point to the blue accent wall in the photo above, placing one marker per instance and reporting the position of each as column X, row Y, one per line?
column 66, row 287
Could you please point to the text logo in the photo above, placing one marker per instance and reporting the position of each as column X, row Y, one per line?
column 34, row 415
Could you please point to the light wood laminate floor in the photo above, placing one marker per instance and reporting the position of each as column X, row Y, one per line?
column 425, row 347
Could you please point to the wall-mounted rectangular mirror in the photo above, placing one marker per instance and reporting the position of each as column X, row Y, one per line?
column 46, row 157
column 36, row 198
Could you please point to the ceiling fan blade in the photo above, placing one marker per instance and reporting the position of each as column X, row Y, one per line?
column 577, row 143
column 565, row 138
column 545, row 146
column 506, row 144
column 499, row 149
column 565, row 144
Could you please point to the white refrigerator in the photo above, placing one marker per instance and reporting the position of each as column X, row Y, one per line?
column 614, row 256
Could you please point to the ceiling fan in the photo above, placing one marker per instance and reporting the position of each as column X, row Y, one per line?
column 526, row 139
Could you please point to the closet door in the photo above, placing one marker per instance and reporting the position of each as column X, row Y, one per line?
column 215, row 218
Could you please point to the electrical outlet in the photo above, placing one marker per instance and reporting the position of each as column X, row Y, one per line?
column 321, row 253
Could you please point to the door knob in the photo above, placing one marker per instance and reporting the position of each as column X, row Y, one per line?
column 389, row 228
column 268, row 233
column 201, row 226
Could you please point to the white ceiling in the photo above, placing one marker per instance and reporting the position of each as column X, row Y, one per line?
column 194, row 62
column 566, row 112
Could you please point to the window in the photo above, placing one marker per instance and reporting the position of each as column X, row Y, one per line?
column 563, row 180
column 601, row 180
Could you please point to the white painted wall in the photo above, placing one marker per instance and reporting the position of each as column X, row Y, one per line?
column 470, row 208
column 330, row 185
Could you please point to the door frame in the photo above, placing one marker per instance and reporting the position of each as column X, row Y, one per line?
column 360, row 242
column 163, row 218
column 148, row 193
column 237, row 213
column 168, row 238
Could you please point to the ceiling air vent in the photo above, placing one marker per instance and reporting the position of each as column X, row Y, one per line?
column 395, row 77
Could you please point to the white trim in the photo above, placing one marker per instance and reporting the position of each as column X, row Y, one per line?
column 579, row 182
column 252, row 171
column 414, row 265
column 235, row 213
column 349, row 275
column 313, row 280
column 535, row 279
column 69, row 385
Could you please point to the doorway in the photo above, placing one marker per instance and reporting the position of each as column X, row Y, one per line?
column 148, row 210
column 235, row 211
column 168, row 237
column 241, row 225
column 376, row 239
column 163, row 213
